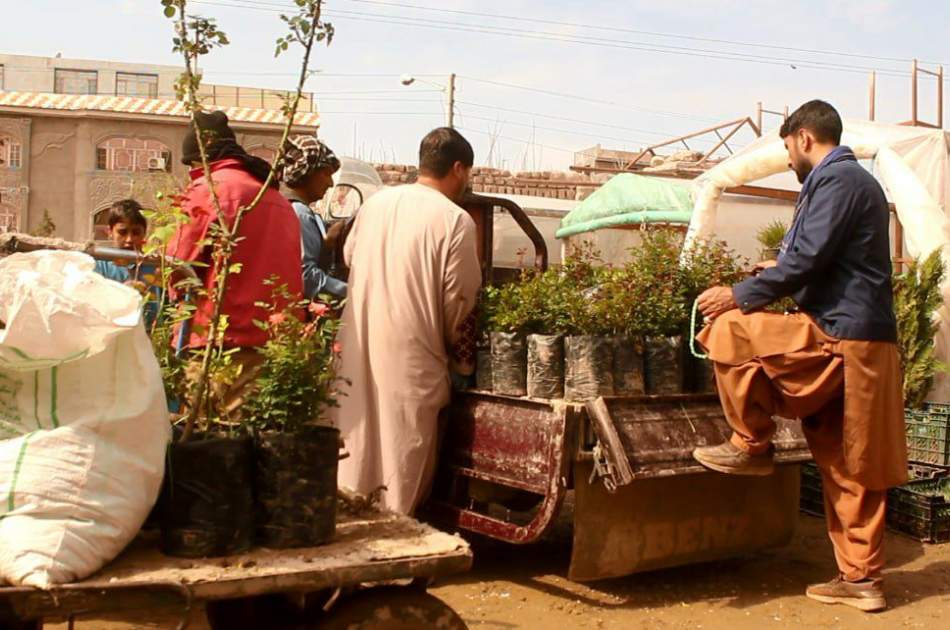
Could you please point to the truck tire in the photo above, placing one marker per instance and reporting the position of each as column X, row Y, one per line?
column 390, row 608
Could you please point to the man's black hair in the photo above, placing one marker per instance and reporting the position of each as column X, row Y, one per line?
column 441, row 149
column 818, row 117
column 127, row 211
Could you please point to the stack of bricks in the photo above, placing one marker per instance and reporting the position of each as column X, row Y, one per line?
column 550, row 184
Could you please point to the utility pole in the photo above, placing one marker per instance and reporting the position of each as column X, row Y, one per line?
column 450, row 115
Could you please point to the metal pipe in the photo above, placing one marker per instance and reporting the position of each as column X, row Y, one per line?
column 871, row 95
column 940, row 97
column 913, row 93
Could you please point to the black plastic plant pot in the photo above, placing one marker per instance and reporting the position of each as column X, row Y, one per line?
column 663, row 368
column 509, row 369
column 483, row 373
column 589, row 367
column 546, row 366
column 704, row 379
column 207, row 506
column 295, row 479
column 628, row 367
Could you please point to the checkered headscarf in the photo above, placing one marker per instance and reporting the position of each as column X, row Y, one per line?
column 303, row 155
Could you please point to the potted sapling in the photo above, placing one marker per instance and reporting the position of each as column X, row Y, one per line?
column 588, row 348
column 546, row 321
column 487, row 307
column 770, row 238
column 616, row 308
column 508, row 345
column 295, row 450
column 660, row 311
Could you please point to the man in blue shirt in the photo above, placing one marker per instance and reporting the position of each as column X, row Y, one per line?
column 308, row 171
column 835, row 365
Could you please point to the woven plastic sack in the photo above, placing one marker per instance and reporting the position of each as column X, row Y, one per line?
column 546, row 366
column 83, row 420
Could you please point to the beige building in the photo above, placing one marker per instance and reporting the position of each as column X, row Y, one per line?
column 72, row 155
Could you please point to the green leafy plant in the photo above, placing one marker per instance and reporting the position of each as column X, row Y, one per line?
column 653, row 281
column 710, row 263
column 298, row 380
column 772, row 235
column 194, row 37
column 916, row 298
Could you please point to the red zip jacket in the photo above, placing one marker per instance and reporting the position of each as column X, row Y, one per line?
column 270, row 246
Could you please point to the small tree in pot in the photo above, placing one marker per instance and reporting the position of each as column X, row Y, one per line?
column 770, row 238
column 505, row 322
column 296, row 454
column 659, row 313
column 588, row 348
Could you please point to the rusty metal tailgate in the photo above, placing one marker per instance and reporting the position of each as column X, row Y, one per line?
column 658, row 433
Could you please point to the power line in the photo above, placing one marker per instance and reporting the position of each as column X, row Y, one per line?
column 616, row 29
column 558, row 130
column 562, row 118
column 510, row 139
column 582, row 40
column 588, row 99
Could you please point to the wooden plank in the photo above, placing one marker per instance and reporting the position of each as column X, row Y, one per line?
column 604, row 429
column 381, row 546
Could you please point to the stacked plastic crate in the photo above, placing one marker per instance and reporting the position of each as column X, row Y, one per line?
column 921, row 507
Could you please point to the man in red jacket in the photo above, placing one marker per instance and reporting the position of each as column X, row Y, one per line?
column 269, row 245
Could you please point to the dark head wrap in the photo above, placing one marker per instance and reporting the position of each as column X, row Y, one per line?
column 220, row 143
column 304, row 155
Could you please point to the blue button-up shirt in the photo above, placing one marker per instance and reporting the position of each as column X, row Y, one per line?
column 312, row 233
column 835, row 261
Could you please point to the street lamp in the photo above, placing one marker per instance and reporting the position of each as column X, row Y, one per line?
column 408, row 79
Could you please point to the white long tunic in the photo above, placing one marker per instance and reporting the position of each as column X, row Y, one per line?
column 414, row 279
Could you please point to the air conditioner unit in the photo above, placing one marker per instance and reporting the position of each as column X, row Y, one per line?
column 156, row 164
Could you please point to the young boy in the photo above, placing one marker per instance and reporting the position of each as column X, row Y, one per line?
column 128, row 227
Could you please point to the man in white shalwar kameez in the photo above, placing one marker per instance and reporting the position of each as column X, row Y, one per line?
column 414, row 280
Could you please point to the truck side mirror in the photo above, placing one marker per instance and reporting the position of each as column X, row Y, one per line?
column 342, row 201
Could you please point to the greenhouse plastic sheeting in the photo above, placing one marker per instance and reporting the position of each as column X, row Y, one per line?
column 629, row 199
column 912, row 163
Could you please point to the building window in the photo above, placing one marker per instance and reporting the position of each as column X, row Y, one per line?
column 11, row 153
column 75, row 81
column 143, row 85
column 133, row 154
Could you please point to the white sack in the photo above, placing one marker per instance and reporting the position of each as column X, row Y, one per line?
column 83, row 419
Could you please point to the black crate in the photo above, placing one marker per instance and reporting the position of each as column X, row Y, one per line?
column 921, row 509
column 928, row 434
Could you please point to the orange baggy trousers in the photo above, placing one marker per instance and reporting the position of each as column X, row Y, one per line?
column 806, row 382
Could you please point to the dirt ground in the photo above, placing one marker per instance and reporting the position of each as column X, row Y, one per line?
column 525, row 587
column 513, row 587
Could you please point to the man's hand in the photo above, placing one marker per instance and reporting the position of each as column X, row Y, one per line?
column 716, row 301
column 762, row 266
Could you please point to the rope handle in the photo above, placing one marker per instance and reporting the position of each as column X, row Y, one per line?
column 692, row 333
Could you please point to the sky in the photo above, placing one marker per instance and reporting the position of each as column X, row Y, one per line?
column 623, row 74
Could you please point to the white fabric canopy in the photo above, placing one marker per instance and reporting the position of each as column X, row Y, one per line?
column 912, row 163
